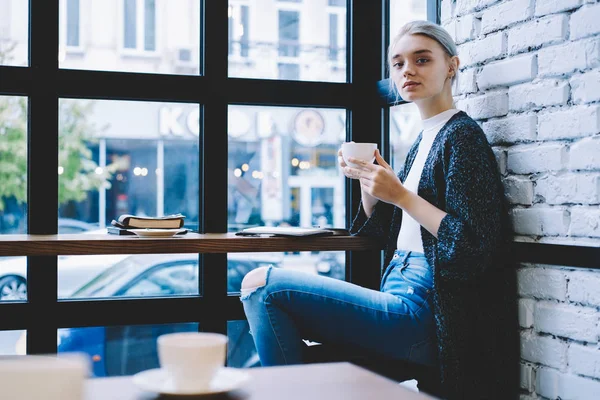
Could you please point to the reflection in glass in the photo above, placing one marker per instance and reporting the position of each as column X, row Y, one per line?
column 114, row 159
column 153, row 275
column 241, row 351
column 290, row 40
column 118, row 350
column 283, row 172
column 14, row 32
column 13, row 193
column 405, row 126
column 13, row 343
column 130, row 35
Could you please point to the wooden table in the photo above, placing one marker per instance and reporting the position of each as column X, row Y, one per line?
column 83, row 244
column 297, row 382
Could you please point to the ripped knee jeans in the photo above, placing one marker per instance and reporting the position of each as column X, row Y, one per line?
column 394, row 322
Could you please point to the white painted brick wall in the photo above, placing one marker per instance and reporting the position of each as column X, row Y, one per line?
column 585, row 88
column 568, row 321
column 508, row 72
column 585, row 22
column 584, row 360
column 513, row 129
column 539, row 94
column 543, row 7
column 467, row 28
column 541, row 221
column 530, row 76
column 533, row 34
column 506, row 13
column 566, row 58
column 585, row 221
column 555, row 385
column 475, row 52
column 585, row 154
column 526, row 307
column 518, row 190
column 542, row 283
column 568, row 123
column 489, row 105
column 571, row 188
column 584, row 287
column 532, row 158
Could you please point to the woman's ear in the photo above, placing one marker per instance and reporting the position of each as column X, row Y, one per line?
column 454, row 64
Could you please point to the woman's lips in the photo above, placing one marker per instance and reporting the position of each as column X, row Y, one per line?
column 411, row 86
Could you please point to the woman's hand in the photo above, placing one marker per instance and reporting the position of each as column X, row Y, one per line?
column 379, row 181
column 368, row 201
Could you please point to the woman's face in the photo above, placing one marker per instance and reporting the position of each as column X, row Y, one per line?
column 420, row 67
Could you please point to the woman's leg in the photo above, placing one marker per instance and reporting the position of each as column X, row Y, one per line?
column 293, row 305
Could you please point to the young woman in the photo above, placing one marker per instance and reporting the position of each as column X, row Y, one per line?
column 445, row 298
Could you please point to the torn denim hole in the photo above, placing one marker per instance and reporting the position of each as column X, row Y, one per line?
column 245, row 294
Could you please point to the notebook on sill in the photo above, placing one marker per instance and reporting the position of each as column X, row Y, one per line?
column 290, row 231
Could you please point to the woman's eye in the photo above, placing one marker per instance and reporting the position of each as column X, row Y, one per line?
column 422, row 60
column 398, row 65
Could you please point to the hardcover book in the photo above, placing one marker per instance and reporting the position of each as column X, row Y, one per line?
column 174, row 221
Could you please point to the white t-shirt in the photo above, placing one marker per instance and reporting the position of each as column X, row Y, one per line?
column 409, row 237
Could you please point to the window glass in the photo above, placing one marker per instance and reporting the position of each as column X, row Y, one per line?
column 118, row 350
column 14, row 32
column 13, row 192
column 283, row 172
column 114, row 159
column 13, row 343
column 130, row 35
column 241, row 351
column 290, row 40
column 405, row 120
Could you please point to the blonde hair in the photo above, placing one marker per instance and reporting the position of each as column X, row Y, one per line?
column 432, row 31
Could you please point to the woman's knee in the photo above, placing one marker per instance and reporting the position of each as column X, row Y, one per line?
column 255, row 278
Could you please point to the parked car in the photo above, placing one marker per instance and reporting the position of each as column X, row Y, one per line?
column 126, row 350
column 74, row 271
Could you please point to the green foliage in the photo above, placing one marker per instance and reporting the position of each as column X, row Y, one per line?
column 79, row 174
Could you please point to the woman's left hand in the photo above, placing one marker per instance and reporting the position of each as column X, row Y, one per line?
column 379, row 181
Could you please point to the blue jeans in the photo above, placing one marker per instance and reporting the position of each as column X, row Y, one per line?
column 395, row 322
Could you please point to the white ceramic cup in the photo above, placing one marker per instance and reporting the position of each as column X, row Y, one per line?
column 191, row 359
column 48, row 377
column 360, row 151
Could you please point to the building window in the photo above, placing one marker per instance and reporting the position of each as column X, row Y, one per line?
column 239, row 30
column 139, row 24
column 290, row 1
column 73, row 23
column 289, row 33
column 337, row 3
column 333, row 37
column 289, row 71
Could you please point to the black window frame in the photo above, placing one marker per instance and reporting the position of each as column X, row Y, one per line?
column 44, row 83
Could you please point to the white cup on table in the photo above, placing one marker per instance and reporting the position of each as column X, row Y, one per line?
column 360, row 151
column 191, row 359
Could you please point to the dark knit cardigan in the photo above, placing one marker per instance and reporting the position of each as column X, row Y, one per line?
column 474, row 297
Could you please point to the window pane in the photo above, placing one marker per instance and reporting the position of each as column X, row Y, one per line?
column 13, row 343
column 118, row 350
column 403, row 11
column 13, row 192
column 405, row 125
column 283, row 171
column 130, row 36
column 73, row 23
column 241, row 351
column 129, row 24
column 150, row 25
column 114, row 159
column 14, row 32
column 268, row 39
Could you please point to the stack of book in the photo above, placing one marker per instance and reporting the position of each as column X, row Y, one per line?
column 127, row 222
